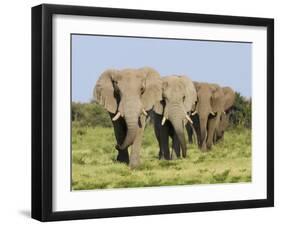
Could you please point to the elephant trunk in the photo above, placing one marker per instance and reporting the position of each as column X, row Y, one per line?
column 203, row 131
column 176, row 117
column 131, row 115
column 132, row 126
column 181, row 137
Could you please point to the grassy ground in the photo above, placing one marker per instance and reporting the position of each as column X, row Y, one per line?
column 94, row 165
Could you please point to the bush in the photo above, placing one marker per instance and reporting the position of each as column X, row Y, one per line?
column 89, row 114
column 241, row 115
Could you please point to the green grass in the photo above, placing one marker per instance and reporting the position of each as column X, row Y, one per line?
column 94, row 163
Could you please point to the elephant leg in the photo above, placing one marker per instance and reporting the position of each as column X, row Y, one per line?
column 223, row 124
column 175, row 142
column 135, row 150
column 164, row 142
column 211, row 131
column 222, row 136
column 189, row 133
column 136, row 146
column 120, row 134
column 157, row 128
column 204, row 126
column 162, row 136
column 123, row 155
column 175, row 146
column 216, row 137
column 212, row 125
column 196, row 131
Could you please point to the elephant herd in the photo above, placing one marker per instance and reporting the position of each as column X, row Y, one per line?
column 175, row 105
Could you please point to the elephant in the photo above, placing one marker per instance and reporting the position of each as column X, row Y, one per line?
column 229, row 99
column 193, row 130
column 207, row 114
column 223, row 124
column 128, row 95
column 170, row 114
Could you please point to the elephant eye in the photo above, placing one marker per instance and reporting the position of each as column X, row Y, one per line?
column 183, row 99
column 142, row 90
column 115, row 86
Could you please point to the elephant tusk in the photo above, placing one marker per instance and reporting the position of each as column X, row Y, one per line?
column 189, row 119
column 116, row 116
column 212, row 113
column 163, row 120
column 224, row 112
column 144, row 112
column 194, row 113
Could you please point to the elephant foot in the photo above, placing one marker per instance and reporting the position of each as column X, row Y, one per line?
column 123, row 156
column 160, row 155
column 174, row 156
column 218, row 139
column 203, row 148
column 167, row 155
column 209, row 147
column 222, row 137
column 134, row 163
column 164, row 155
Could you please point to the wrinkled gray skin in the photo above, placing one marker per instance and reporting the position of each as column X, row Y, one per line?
column 178, row 98
column 209, row 107
column 223, row 124
column 127, row 95
column 229, row 99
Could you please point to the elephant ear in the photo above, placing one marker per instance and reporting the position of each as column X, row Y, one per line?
column 216, row 98
column 190, row 93
column 152, row 94
column 104, row 91
column 159, row 105
column 196, row 85
column 229, row 96
column 158, row 108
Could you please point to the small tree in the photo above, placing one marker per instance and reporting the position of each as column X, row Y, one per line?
column 241, row 113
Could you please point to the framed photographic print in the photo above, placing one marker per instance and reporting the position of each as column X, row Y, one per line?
column 145, row 112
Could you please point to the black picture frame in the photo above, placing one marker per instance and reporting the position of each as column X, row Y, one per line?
column 42, row 111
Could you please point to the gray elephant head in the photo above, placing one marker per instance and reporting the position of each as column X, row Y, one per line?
column 178, row 98
column 209, row 108
column 128, row 93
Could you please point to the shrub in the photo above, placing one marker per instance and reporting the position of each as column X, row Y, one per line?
column 89, row 114
column 221, row 177
column 241, row 114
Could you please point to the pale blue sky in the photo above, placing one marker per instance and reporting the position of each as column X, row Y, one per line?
column 225, row 63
